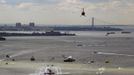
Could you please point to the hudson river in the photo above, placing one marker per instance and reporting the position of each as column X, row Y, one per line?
column 95, row 54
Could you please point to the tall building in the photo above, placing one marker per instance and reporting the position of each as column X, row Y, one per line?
column 18, row 24
column 31, row 24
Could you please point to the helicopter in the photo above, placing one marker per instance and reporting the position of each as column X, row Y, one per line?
column 83, row 12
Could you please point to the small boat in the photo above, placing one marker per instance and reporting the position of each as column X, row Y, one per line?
column 69, row 59
column 2, row 38
column 125, row 32
column 108, row 33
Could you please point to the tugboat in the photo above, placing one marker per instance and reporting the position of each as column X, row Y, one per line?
column 2, row 38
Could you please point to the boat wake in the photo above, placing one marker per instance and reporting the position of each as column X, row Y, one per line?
column 101, row 70
column 115, row 54
column 50, row 70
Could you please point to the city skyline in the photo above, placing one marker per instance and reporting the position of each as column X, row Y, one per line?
column 66, row 11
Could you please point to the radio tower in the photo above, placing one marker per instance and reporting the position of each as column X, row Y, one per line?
column 92, row 23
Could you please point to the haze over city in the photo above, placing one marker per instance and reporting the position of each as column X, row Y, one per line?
column 66, row 11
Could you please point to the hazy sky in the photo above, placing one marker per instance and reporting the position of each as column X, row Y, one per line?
column 66, row 11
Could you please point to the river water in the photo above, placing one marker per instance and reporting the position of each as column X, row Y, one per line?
column 87, row 46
